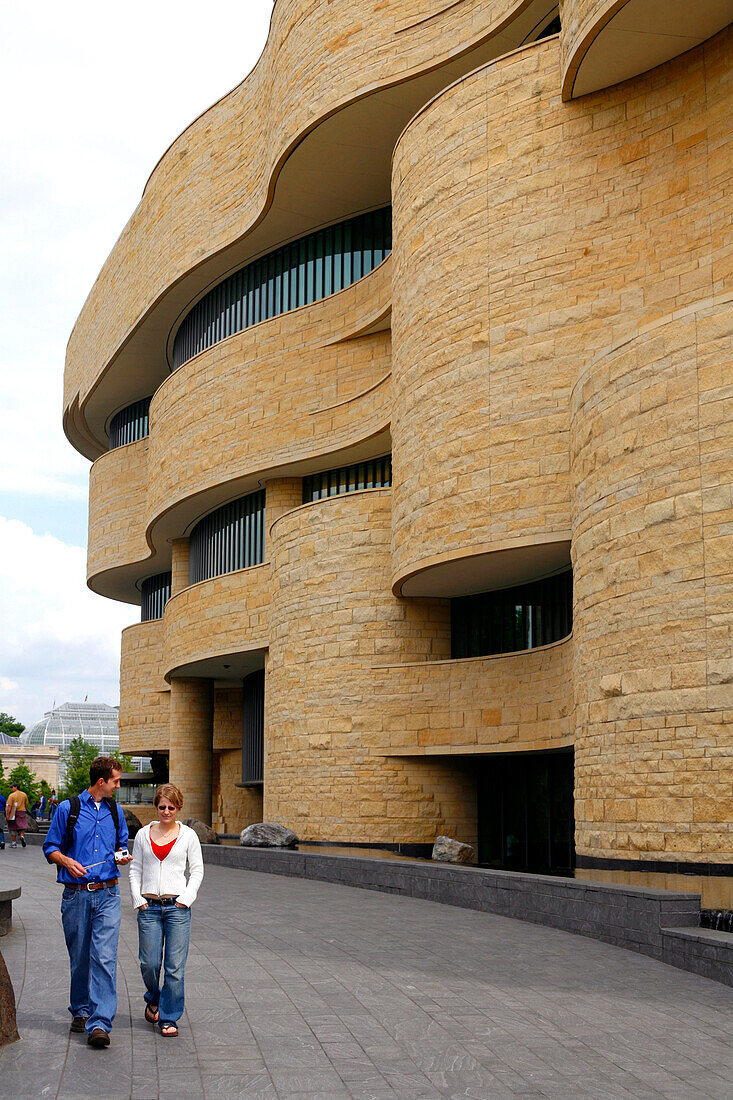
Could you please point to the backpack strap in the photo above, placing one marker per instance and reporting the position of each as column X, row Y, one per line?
column 114, row 810
column 74, row 811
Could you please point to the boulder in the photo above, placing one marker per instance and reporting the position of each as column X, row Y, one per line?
column 267, row 834
column 446, row 850
column 8, row 1029
column 134, row 824
column 32, row 823
column 204, row 832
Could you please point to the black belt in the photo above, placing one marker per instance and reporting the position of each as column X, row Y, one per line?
column 162, row 901
column 92, row 886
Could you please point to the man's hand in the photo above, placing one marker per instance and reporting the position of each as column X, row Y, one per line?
column 76, row 870
column 122, row 862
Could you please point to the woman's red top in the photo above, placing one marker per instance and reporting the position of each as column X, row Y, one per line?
column 162, row 850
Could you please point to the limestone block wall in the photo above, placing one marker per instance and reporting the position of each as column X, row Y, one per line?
column 325, row 775
column 253, row 402
column 144, row 694
column 512, row 701
column 118, row 487
column 191, row 732
column 547, row 231
column 652, row 549
column 217, row 179
column 221, row 615
column 232, row 807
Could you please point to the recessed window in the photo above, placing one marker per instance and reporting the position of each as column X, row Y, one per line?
column 231, row 538
column 297, row 274
column 130, row 424
column 375, row 473
column 155, row 591
column 512, row 619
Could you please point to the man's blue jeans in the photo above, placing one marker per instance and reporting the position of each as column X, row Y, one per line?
column 91, row 921
column 164, row 930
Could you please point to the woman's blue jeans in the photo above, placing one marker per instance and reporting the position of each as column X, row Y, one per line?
column 164, row 930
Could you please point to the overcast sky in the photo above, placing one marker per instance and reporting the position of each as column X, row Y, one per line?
column 91, row 95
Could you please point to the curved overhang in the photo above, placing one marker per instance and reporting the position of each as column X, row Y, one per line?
column 482, row 570
column 618, row 39
column 302, row 192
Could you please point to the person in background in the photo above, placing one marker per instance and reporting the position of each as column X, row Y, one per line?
column 2, row 822
column 42, row 808
column 16, row 814
column 90, row 904
column 163, row 898
column 52, row 803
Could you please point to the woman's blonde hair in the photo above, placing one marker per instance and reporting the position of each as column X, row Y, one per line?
column 171, row 792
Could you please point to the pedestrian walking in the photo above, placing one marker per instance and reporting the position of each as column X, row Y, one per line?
column 87, row 840
column 2, row 822
column 42, row 808
column 16, row 814
column 52, row 803
column 163, row 897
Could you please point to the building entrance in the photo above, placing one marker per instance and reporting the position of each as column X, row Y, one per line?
column 525, row 812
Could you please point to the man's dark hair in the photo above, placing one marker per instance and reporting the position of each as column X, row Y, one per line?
column 102, row 767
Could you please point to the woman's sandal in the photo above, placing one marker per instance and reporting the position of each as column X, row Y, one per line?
column 169, row 1031
column 151, row 1014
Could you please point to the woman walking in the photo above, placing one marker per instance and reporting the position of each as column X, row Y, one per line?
column 163, row 898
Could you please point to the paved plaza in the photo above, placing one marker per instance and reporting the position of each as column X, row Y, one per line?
column 301, row 989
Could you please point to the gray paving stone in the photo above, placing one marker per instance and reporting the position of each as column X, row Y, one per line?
column 298, row 989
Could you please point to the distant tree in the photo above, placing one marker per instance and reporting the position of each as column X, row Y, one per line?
column 77, row 758
column 125, row 761
column 4, row 785
column 10, row 725
column 45, row 789
column 26, row 780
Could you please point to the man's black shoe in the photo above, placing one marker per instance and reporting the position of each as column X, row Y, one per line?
column 22, row 841
column 2, row 847
column 98, row 1038
column 79, row 1024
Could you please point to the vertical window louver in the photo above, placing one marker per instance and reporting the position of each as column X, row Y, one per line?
column 156, row 591
column 130, row 424
column 376, row 473
column 297, row 274
column 253, row 728
column 232, row 537
column 512, row 619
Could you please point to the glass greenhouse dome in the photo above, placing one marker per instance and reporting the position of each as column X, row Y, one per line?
column 95, row 722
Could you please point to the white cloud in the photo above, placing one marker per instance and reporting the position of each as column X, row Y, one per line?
column 59, row 640
column 92, row 95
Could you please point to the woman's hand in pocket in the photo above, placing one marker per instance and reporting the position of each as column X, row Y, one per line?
column 180, row 905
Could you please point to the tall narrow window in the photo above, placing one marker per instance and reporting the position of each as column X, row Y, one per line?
column 294, row 275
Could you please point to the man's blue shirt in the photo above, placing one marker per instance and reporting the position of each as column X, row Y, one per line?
column 95, row 839
column 3, row 801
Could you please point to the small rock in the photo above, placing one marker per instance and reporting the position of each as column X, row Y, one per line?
column 204, row 832
column 446, row 850
column 267, row 834
column 32, row 823
column 134, row 824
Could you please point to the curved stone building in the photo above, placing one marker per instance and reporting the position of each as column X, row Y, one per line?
column 407, row 387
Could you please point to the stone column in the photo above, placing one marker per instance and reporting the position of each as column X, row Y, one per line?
column 282, row 494
column 191, row 727
column 179, row 565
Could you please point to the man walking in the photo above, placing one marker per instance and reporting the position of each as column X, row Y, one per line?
column 2, row 822
column 82, row 840
column 16, row 814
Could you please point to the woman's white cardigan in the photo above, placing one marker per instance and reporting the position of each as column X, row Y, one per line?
column 166, row 878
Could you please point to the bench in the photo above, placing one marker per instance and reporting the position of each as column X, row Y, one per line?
column 6, row 908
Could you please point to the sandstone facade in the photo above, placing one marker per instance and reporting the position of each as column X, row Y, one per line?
column 546, row 353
